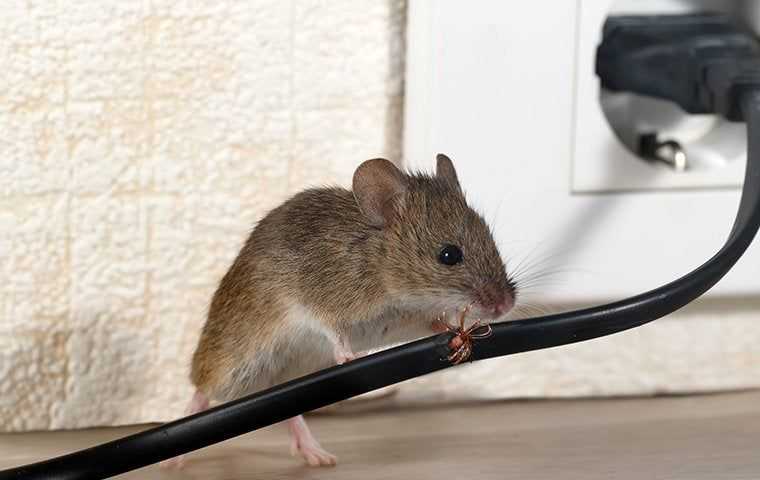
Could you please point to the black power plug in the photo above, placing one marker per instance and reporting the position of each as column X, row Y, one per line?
column 702, row 62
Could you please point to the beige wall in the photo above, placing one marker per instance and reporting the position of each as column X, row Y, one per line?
column 140, row 141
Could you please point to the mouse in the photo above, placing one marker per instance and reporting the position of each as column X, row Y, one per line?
column 332, row 273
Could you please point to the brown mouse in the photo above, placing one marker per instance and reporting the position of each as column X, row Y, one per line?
column 331, row 272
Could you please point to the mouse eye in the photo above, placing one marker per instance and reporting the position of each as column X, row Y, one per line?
column 450, row 255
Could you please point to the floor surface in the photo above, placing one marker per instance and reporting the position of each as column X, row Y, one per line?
column 712, row 437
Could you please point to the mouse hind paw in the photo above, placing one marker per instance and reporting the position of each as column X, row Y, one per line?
column 303, row 443
column 315, row 455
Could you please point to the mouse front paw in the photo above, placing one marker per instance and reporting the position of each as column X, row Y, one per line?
column 176, row 463
column 439, row 326
column 343, row 354
column 342, row 351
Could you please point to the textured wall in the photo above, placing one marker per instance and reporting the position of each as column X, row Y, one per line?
column 140, row 141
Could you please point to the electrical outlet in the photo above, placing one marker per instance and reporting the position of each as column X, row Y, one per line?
column 509, row 92
column 713, row 149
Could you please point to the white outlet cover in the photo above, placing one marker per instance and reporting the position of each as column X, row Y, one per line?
column 500, row 87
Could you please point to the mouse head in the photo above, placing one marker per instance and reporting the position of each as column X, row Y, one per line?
column 437, row 252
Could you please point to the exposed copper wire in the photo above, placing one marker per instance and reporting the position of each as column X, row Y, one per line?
column 461, row 344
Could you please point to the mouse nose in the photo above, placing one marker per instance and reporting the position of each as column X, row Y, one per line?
column 496, row 301
column 504, row 305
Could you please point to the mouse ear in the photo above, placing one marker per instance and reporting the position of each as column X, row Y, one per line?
column 445, row 170
column 377, row 183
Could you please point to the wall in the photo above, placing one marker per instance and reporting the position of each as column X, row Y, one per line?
column 141, row 140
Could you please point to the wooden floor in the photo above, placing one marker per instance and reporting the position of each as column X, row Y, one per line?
column 691, row 438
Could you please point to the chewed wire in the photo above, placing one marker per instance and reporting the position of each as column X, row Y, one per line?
column 462, row 343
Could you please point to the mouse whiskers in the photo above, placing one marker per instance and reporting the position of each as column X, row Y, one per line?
column 534, row 273
column 525, row 310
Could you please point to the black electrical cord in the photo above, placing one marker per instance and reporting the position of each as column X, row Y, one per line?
column 417, row 358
